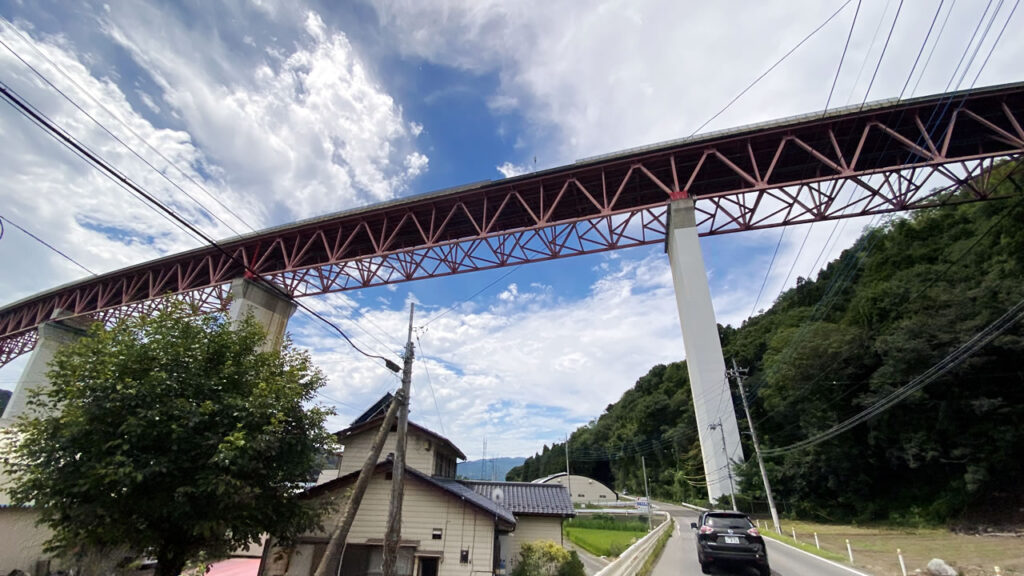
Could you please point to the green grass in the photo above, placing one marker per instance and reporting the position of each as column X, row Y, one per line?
column 874, row 548
column 609, row 522
column 805, row 547
column 603, row 542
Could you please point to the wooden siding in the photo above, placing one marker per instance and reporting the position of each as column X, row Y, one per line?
column 420, row 451
column 424, row 508
column 531, row 529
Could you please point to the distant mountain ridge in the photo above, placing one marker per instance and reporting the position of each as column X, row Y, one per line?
column 491, row 468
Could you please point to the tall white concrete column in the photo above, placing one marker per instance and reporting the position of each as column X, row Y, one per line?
column 269, row 308
column 52, row 335
column 704, row 361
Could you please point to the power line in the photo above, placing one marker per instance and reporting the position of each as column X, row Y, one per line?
column 953, row 359
column 430, row 383
column 867, row 54
column 95, row 160
column 935, row 45
column 140, row 138
column 993, row 47
column 770, row 68
column 472, row 296
column 882, row 55
column 767, row 273
column 41, row 241
column 921, row 51
column 842, row 58
column 123, row 123
column 65, row 140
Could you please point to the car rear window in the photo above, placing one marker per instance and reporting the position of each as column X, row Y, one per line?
column 728, row 521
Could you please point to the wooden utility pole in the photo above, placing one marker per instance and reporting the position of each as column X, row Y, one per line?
column 336, row 546
column 393, row 534
column 757, row 448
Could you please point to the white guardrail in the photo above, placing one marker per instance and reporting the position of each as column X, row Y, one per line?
column 630, row 562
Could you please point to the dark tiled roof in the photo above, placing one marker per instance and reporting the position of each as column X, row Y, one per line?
column 526, row 497
column 447, row 485
column 375, row 421
column 470, row 495
column 378, row 409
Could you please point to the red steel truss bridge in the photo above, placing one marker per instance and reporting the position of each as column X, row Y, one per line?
column 886, row 157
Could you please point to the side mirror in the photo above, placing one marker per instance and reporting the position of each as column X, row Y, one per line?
column 693, row 525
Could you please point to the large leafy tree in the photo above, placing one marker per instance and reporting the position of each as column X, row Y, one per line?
column 176, row 435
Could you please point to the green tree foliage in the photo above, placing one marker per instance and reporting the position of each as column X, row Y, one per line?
column 546, row 558
column 891, row 306
column 175, row 435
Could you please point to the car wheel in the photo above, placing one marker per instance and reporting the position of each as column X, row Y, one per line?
column 766, row 571
column 705, row 568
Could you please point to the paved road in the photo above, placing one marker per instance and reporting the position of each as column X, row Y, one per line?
column 680, row 555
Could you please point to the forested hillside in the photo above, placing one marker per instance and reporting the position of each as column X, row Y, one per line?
column 909, row 292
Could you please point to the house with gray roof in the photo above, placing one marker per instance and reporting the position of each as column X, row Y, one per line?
column 450, row 527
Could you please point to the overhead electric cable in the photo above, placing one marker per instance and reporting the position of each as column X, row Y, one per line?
column 867, row 53
column 474, row 295
column 842, row 58
column 931, row 52
column 430, row 383
column 767, row 273
column 41, row 241
column 37, row 118
column 953, row 359
column 994, row 43
column 921, row 51
column 14, row 99
column 772, row 67
column 882, row 55
column 123, row 123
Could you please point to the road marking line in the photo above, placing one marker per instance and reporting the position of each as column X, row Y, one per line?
column 826, row 560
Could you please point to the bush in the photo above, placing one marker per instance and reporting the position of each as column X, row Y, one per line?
column 546, row 558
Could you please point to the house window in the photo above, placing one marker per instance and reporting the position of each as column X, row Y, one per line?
column 601, row 496
column 464, row 556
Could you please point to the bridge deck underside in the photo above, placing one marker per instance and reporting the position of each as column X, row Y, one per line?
column 915, row 154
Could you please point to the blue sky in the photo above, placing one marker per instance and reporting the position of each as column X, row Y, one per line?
column 288, row 110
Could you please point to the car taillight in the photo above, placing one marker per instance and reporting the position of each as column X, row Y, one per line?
column 753, row 532
column 707, row 530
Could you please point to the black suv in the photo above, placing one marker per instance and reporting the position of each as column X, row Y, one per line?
column 729, row 538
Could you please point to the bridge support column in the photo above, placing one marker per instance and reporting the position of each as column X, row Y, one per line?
column 269, row 308
column 52, row 335
column 712, row 402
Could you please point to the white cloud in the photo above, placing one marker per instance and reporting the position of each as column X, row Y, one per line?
column 524, row 368
column 508, row 169
column 302, row 131
column 632, row 73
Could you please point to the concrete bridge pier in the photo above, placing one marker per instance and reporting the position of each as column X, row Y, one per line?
column 716, row 419
column 59, row 331
column 269, row 308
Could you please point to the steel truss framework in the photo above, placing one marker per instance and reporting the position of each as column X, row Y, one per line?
column 890, row 157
